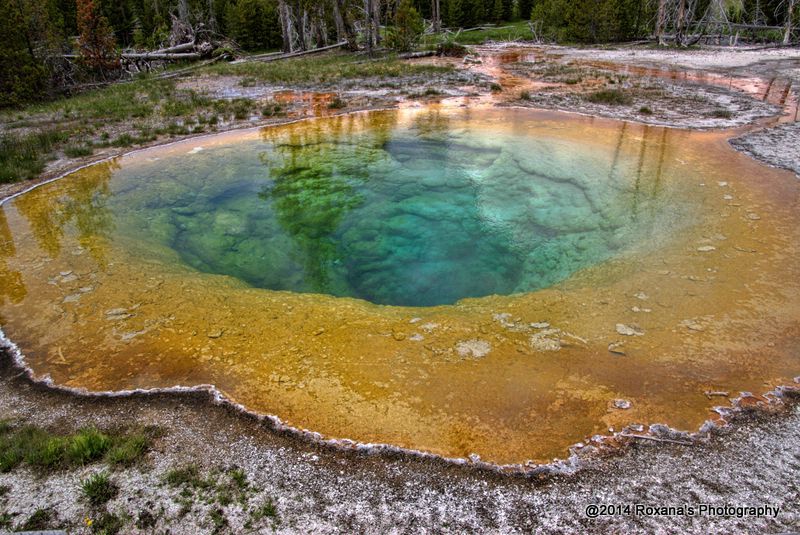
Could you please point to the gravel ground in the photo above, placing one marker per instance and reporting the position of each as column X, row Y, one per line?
column 318, row 489
column 778, row 146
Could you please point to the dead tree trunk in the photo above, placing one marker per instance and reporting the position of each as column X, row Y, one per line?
column 436, row 15
column 376, row 20
column 347, row 25
column 787, row 37
column 368, row 25
column 183, row 12
column 680, row 20
column 661, row 21
column 287, row 28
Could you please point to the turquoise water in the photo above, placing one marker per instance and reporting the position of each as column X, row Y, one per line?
column 420, row 211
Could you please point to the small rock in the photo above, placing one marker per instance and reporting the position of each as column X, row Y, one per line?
column 706, row 248
column 319, row 331
column 473, row 348
column 728, row 197
column 629, row 330
column 637, row 309
column 753, row 217
column 722, row 184
column 623, row 404
column 415, row 320
column 215, row 334
column 65, row 273
column 540, row 325
column 641, row 295
column 72, row 298
column 399, row 336
column 416, row 337
column 692, row 325
column 546, row 340
column 617, row 348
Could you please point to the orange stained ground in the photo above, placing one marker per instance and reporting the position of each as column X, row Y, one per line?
column 716, row 308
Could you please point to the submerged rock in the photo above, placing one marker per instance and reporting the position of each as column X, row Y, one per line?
column 629, row 330
column 546, row 340
column 473, row 348
column 622, row 404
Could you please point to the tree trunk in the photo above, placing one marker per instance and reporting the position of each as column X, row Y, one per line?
column 287, row 31
column 183, row 12
column 680, row 19
column 368, row 25
column 337, row 20
column 436, row 15
column 787, row 37
column 347, row 25
column 376, row 20
column 661, row 21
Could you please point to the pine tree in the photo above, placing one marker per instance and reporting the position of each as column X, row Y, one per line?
column 408, row 27
column 525, row 7
column 96, row 41
column 455, row 13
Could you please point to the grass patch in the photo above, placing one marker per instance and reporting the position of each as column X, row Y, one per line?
column 505, row 31
column 337, row 103
column 495, row 87
column 721, row 113
column 271, row 110
column 645, row 110
column 39, row 520
column 267, row 509
column 78, row 151
column 324, row 69
column 23, row 157
column 218, row 520
column 186, row 476
column 107, row 524
column 41, row 449
column 525, row 95
column 613, row 97
column 98, row 489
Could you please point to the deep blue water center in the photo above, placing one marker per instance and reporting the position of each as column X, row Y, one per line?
column 418, row 211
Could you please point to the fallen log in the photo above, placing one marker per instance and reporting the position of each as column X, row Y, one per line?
column 278, row 56
column 413, row 55
column 179, row 56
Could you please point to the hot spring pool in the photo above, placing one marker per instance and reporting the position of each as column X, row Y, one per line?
column 441, row 279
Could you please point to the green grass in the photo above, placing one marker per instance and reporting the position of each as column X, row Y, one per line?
column 98, row 489
column 23, row 157
column 186, row 476
column 645, row 110
column 613, row 97
column 43, row 450
column 267, row 509
column 505, row 31
column 87, row 446
column 325, row 69
column 40, row 519
column 107, row 524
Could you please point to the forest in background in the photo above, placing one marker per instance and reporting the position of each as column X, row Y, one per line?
column 52, row 46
